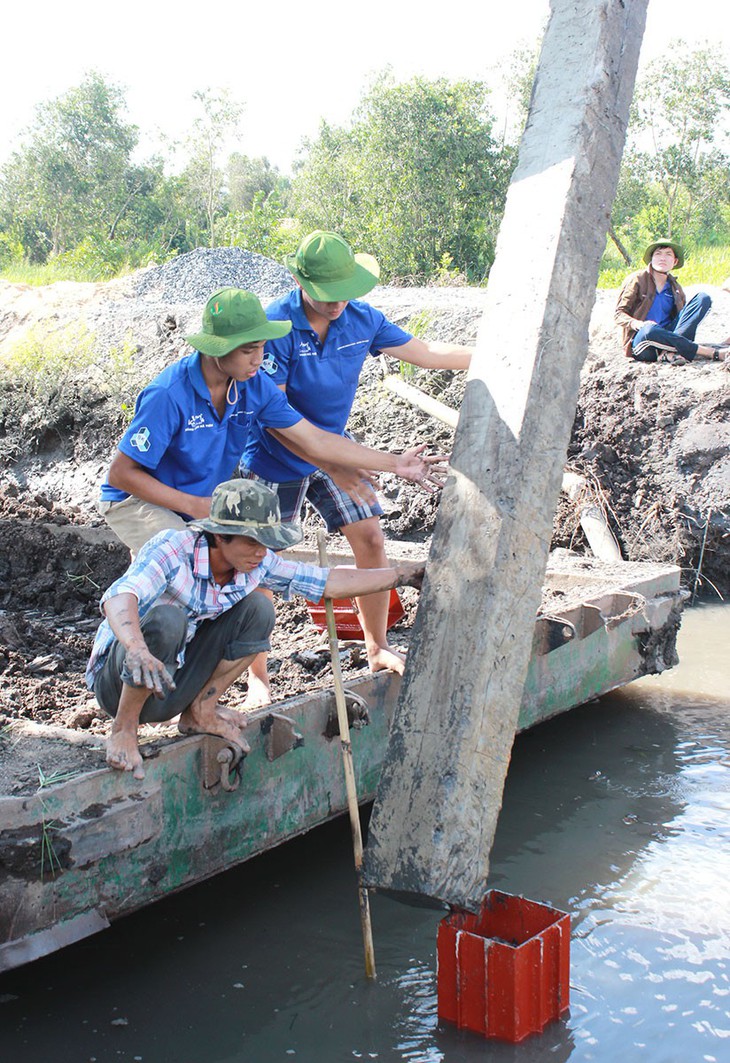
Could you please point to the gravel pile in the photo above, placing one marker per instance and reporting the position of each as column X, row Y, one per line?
column 193, row 277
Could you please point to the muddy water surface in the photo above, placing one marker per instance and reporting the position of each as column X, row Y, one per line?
column 618, row 813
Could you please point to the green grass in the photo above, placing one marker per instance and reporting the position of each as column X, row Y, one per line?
column 48, row 273
column 703, row 265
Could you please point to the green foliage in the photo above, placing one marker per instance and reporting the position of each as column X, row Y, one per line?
column 69, row 178
column 675, row 177
column 703, row 265
column 419, row 325
column 53, row 381
column 72, row 189
column 204, row 181
column 262, row 228
column 249, row 179
column 447, row 275
column 417, row 177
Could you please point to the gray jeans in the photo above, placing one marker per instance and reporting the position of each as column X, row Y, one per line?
column 240, row 632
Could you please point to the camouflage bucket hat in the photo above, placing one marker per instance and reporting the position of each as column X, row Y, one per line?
column 246, row 507
column 328, row 271
column 231, row 319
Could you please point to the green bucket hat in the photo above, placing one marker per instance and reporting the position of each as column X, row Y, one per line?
column 247, row 507
column 678, row 251
column 232, row 318
column 328, row 271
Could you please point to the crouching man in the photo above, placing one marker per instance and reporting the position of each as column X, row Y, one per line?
column 183, row 623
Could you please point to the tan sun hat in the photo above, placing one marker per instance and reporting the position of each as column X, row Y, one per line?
column 678, row 251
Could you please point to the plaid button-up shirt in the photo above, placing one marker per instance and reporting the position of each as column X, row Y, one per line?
column 173, row 568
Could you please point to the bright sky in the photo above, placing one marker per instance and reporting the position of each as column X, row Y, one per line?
column 290, row 63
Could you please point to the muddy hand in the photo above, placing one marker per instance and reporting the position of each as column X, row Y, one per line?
column 411, row 574
column 438, row 470
column 147, row 671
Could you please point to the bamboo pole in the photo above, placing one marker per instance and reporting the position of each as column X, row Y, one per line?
column 419, row 398
column 347, row 763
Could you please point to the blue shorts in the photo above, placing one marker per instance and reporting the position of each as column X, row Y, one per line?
column 334, row 506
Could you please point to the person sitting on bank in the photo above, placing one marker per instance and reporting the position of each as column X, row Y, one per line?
column 656, row 321
column 191, row 425
column 318, row 366
column 183, row 623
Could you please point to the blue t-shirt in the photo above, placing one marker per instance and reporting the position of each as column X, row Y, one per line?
column 178, row 436
column 320, row 378
column 663, row 310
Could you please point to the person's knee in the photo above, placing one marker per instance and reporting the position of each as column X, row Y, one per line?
column 164, row 629
column 369, row 535
column 256, row 617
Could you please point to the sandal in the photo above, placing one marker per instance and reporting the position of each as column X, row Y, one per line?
column 673, row 358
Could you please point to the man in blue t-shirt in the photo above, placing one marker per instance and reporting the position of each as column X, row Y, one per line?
column 318, row 366
column 192, row 422
column 655, row 319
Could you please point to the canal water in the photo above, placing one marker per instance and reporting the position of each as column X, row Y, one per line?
column 618, row 813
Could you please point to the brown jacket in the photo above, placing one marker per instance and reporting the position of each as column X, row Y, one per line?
column 634, row 303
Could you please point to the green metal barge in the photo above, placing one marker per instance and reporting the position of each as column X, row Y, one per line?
column 99, row 844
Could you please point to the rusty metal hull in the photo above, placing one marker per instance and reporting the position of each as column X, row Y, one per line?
column 76, row 855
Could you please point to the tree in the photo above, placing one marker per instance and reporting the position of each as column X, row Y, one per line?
column 72, row 176
column 676, row 145
column 247, row 178
column 417, row 180
column 204, row 179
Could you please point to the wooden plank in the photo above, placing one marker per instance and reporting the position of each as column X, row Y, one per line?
column 441, row 789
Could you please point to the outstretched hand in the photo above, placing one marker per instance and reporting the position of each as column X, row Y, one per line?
column 148, row 671
column 359, row 484
column 429, row 471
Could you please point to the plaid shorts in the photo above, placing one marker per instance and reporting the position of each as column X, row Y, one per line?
column 334, row 506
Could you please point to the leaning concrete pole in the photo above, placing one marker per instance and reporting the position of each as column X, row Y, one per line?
column 441, row 789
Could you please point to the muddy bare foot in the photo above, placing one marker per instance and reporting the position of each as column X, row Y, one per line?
column 258, row 694
column 234, row 716
column 386, row 659
column 122, row 753
column 203, row 720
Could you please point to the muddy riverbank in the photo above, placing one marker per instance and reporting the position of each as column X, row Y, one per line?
column 652, row 441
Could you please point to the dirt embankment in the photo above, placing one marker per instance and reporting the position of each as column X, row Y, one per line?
column 652, row 441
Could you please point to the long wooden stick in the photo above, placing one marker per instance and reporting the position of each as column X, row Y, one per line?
column 347, row 763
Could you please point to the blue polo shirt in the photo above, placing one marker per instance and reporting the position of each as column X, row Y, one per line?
column 320, row 378
column 663, row 310
column 179, row 437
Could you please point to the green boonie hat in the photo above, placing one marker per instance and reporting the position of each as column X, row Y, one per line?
column 328, row 271
column 247, row 507
column 232, row 318
column 678, row 251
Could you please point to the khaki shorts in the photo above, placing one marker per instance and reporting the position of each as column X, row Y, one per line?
column 135, row 521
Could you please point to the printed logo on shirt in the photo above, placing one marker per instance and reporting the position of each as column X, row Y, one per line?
column 141, row 440
column 269, row 364
column 305, row 349
column 197, row 421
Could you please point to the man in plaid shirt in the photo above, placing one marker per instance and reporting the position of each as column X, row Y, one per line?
column 182, row 623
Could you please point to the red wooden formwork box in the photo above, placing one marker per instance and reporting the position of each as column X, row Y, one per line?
column 347, row 621
column 504, row 971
